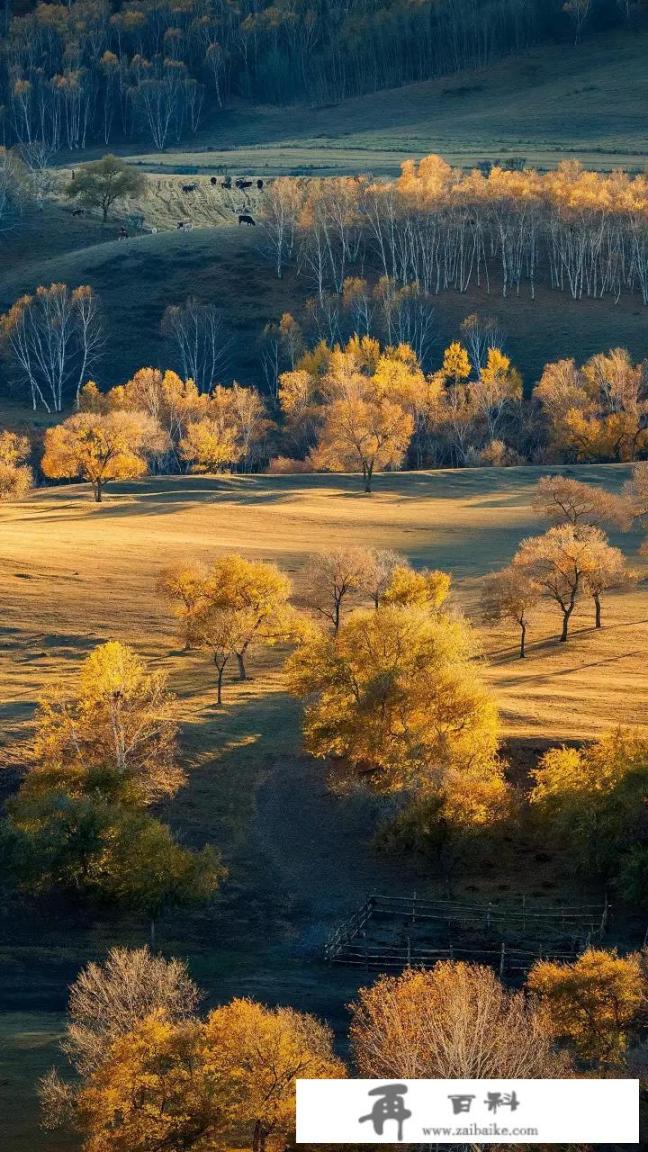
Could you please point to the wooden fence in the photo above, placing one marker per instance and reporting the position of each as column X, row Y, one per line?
column 390, row 932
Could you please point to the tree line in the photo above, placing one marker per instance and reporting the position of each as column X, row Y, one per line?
column 91, row 72
column 438, row 228
column 357, row 407
column 148, row 1067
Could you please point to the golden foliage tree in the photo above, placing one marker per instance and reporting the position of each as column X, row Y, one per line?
column 592, row 799
column 395, row 701
column 425, row 588
column 116, row 735
column 230, row 607
column 510, row 595
column 599, row 411
column 187, row 1083
column 100, row 448
column 455, row 1021
column 594, row 1004
column 564, row 500
column 334, row 577
column 456, row 363
column 230, row 431
column 564, row 561
column 15, row 475
column 359, row 422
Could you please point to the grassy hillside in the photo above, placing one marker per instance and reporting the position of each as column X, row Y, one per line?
column 550, row 103
column 139, row 277
column 75, row 574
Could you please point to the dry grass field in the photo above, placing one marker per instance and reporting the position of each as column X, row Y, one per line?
column 75, row 574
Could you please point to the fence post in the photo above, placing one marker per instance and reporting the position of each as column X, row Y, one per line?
column 524, row 913
column 366, row 950
column 414, row 907
column 502, row 959
column 409, row 950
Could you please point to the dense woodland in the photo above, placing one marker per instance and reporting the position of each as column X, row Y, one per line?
column 90, row 72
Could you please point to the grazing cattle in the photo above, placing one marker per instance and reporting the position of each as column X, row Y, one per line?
column 259, row 184
column 245, row 219
column 227, row 182
column 122, row 234
column 243, row 184
column 184, row 225
column 78, row 212
column 189, row 187
column 213, row 181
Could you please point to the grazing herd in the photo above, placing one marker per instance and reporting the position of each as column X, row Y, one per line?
column 241, row 184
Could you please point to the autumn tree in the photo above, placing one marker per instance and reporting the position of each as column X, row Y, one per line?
column 15, row 474
column 423, row 588
column 116, row 735
column 562, row 561
column 591, row 800
column 230, row 431
column 607, row 572
column 395, row 703
column 382, row 562
column 101, row 183
column 100, row 448
column 334, row 577
column 54, row 338
column 363, row 432
column 108, row 999
column 454, row 1021
column 510, row 596
column 181, row 585
column 190, row 1083
column 229, row 607
column 564, row 500
column 359, row 422
column 171, row 402
column 456, row 363
column 599, row 411
column 595, row 1004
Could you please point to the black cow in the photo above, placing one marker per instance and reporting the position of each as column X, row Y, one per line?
column 227, row 182
column 243, row 184
column 213, row 181
column 78, row 212
column 259, row 184
column 245, row 219
column 188, row 187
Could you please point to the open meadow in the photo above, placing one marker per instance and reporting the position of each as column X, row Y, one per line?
column 75, row 574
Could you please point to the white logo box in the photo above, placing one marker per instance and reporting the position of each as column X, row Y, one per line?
column 467, row 1111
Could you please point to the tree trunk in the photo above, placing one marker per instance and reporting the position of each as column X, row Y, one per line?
column 565, row 625
column 597, row 604
column 98, row 494
column 221, row 671
column 240, row 660
column 152, row 935
column 522, row 641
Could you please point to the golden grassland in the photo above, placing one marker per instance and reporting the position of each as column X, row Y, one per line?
column 75, row 574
